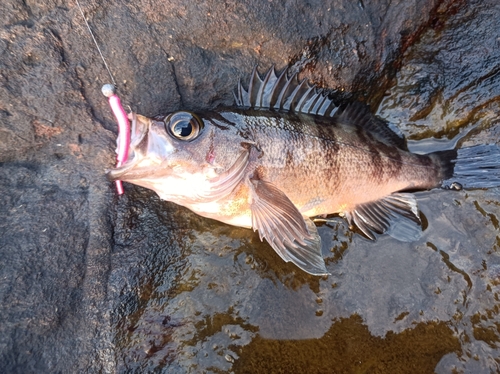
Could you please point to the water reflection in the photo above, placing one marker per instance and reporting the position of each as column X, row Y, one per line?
column 198, row 295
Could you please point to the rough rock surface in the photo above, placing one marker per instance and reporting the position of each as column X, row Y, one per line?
column 95, row 283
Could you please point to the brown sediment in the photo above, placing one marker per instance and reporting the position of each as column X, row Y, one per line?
column 348, row 347
column 44, row 131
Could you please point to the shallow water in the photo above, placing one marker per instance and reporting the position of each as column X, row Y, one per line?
column 194, row 295
column 218, row 299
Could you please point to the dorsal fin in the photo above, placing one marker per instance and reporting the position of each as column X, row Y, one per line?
column 283, row 93
column 359, row 114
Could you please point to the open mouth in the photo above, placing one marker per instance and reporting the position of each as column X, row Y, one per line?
column 138, row 130
column 127, row 143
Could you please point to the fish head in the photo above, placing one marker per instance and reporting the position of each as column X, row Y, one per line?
column 179, row 156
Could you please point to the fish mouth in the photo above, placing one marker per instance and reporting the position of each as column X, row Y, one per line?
column 148, row 152
column 130, row 169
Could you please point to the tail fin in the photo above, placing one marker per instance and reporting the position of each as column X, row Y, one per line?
column 472, row 167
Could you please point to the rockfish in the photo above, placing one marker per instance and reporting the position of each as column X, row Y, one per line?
column 286, row 153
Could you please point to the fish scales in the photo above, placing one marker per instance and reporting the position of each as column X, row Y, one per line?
column 287, row 153
column 311, row 160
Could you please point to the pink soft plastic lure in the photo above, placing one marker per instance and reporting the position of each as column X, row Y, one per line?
column 123, row 140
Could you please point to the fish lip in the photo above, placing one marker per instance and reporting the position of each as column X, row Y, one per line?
column 119, row 172
column 131, row 171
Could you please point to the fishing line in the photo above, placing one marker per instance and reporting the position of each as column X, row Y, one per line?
column 95, row 42
column 109, row 90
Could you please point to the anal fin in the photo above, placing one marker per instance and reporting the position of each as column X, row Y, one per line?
column 293, row 237
column 396, row 215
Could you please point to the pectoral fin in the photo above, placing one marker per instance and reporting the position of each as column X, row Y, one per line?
column 396, row 215
column 291, row 235
column 222, row 185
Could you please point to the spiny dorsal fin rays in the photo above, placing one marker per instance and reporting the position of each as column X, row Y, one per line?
column 296, row 96
column 264, row 95
column 240, row 96
column 283, row 93
column 304, row 97
column 254, row 86
column 277, row 88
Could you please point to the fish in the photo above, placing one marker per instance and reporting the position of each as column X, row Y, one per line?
column 284, row 154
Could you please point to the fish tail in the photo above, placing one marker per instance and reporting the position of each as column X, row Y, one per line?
column 471, row 167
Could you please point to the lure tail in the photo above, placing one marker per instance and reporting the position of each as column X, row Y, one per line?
column 471, row 167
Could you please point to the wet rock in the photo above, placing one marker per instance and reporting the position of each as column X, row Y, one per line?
column 449, row 80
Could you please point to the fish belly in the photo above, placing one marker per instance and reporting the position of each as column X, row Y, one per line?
column 233, row 210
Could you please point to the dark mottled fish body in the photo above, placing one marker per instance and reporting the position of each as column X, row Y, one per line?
column 287, row 153
column 327, row 165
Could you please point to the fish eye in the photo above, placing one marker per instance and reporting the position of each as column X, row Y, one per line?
column 183, row 125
